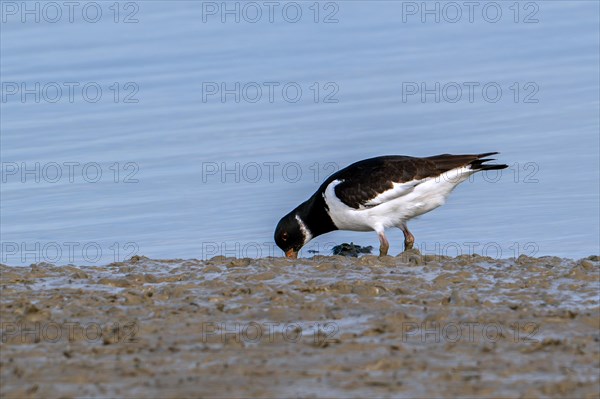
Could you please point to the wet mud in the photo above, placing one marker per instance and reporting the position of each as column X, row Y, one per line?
column 327, row 326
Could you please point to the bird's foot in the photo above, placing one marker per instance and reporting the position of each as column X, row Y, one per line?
column 384, row 245
column 409, row 239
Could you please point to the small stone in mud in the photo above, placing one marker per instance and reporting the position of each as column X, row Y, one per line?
column 31, row 309
column 351, row 249
column 415, row 260
column 114, row 282
column 136, row 258
column 79, row 274
column 586, row 264
column 411, row 256
column 366, row 290
column 211, row 269
column 239, row 262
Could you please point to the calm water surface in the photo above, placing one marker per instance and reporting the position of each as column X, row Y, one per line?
column 206, row 132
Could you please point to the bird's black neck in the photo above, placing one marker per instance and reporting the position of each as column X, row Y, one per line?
column 313, row 213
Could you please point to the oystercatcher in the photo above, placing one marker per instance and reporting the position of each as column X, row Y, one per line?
column 375, row 194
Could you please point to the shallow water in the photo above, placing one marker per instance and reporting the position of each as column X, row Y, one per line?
column 186, row 174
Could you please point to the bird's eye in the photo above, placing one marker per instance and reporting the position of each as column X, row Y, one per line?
column 284, row 236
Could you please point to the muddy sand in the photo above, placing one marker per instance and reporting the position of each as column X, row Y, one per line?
column 328, row 326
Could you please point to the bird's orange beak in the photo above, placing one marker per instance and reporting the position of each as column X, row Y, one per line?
column 291, row 254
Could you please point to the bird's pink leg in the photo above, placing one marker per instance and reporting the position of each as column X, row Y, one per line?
column 409, row 239
column 384, row 244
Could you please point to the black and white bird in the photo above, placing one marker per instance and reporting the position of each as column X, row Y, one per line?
column 378, row 193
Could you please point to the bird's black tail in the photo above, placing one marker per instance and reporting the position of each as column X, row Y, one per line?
column 479, row 163
column 476, row 162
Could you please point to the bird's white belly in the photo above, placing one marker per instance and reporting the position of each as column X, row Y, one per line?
column 429, row 194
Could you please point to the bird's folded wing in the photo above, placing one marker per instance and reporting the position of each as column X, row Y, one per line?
column 360, row 197
column 397, row 190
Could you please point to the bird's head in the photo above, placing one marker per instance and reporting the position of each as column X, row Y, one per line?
column 291, row 234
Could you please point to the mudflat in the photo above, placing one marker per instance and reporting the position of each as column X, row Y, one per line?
column 328, row 326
